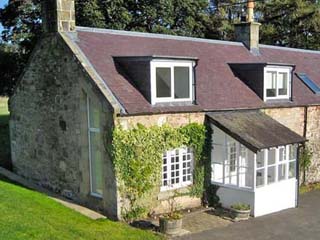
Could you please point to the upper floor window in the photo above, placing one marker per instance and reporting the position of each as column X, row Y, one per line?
column 171, row 81
column 277, row 83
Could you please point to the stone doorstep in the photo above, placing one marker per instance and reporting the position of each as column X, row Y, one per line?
column 67, row 203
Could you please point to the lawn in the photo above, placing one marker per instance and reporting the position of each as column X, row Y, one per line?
column 25, row 214
column 4, row 134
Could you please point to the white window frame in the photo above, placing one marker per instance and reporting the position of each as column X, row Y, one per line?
column 238, row 165
column 181, row 184
column 277, row 163
column 171, row 64
column 91, row 130
column 278, row 70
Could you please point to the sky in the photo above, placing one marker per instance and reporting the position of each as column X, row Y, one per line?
column 2, row 3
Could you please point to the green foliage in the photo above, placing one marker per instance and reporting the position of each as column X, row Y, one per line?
column 4, row 134
column 305, row 158
column 290, row 23
column 26, row 214
column 305, row 161
column 241, row 206
column 137, row 156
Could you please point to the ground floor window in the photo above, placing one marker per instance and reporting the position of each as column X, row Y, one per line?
column 95, row 149
column 232, row 163
column 177, row 167
column 275, row 165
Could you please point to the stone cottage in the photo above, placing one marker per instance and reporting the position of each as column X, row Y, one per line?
column 260, row 102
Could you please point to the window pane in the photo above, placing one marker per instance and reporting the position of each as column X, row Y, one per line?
column 245, row 177
column 96, row 163
column 283, row 83
column 163, row 82
column 271, row 174
column 165, row 170
column 260, row 159
column 232, row 156
column 230, row 175
column 282, row 172
column 292, row 169
column 292, row 152
column 94, row 115
column 243, row 161
column 181, row 82
column 260, row 178
column 186, row 165
column 217, row 172
column 271, row 83
column 272, row 156
column 282, row 154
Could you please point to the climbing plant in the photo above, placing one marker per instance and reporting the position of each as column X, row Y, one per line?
column 305, row 161
column 137, row 157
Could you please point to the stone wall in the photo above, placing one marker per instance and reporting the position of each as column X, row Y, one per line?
column 58, row 15
column 174, row 120
column 313, row 135
column 49, row 126
column 293, row 118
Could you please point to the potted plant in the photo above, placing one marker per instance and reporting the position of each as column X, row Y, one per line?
column 171, row 223
column 240, row 211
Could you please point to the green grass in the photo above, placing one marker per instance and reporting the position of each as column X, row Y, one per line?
column 25, row 214
column 4, row 134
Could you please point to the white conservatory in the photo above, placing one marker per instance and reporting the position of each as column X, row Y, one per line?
column 254, row 161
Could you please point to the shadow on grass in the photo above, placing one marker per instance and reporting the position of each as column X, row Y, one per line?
column 5, row 157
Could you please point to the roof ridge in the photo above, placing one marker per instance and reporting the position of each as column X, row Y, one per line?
column 290, row 49
column 183, row 38
column 156, row 35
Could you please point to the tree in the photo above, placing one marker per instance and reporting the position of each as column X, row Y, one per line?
column 21, row 22
column 290, row 23
column 11, row 66
column 22, row 27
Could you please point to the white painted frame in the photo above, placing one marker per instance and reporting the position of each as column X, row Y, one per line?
column 181, row 184
column 171, row 64
column 90, row 130
column 278, row 69
column 226, row 164
column 277, row 163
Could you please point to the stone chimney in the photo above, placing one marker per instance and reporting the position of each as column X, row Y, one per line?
column 248, row 32
column 58, row 15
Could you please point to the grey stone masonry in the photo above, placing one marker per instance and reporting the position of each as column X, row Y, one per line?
column 49, row 126
column 58, row 15
column 248, row 34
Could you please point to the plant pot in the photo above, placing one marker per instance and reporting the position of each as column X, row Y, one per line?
column 170, row 226
column 240, row 214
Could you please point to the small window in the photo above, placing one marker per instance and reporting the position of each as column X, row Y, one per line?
column 171, row 81
column 277, row 82
column 177, row 165
column 95, row 149
column 309, row 83
column 232, row 156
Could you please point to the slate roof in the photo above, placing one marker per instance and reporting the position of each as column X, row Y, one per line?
column 216, row 86
column 254, row 129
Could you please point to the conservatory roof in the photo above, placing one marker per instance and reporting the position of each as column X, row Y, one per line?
column 254, row 129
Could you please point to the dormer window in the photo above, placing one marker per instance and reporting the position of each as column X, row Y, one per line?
column 171, row 81
column 277, row 83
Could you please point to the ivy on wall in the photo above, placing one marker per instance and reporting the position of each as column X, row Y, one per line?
column 137, row 157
